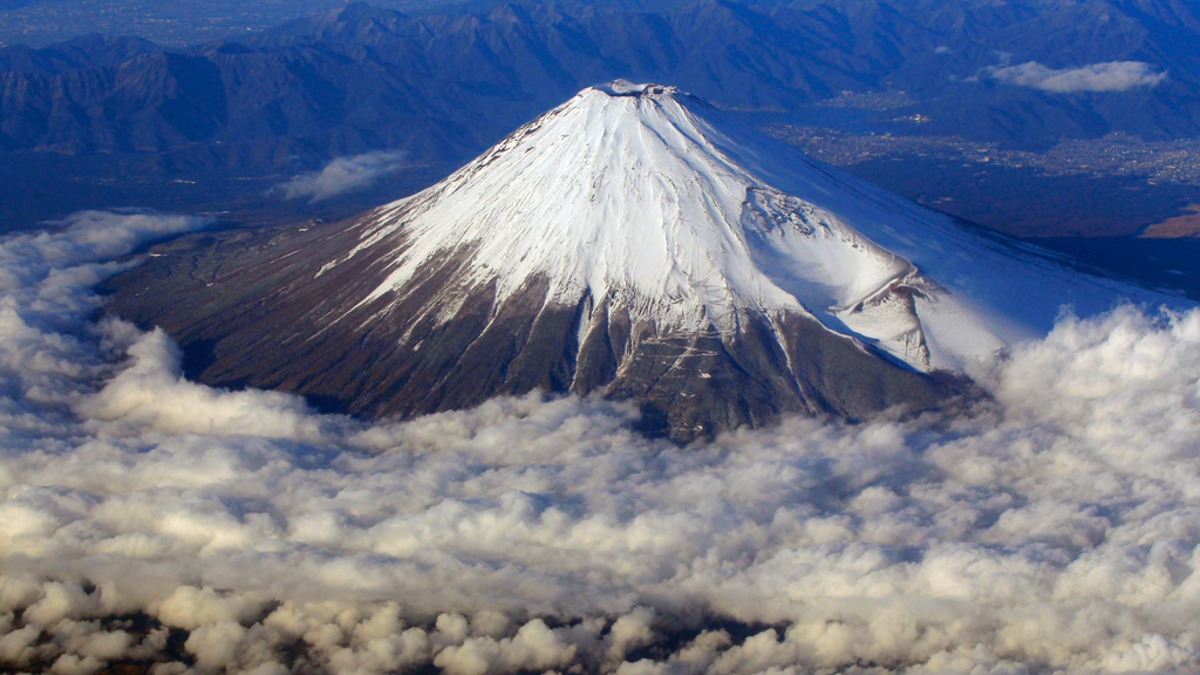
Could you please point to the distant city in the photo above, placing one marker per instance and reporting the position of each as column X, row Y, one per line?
column 41, row 22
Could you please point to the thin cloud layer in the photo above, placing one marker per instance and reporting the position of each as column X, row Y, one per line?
column 341, row 175
column 1097, row 77
column 145, row 518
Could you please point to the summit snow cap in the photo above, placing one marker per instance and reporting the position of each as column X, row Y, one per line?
column 635, row 196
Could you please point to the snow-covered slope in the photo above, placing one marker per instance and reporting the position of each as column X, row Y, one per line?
column 649, row 198
column 625, row 195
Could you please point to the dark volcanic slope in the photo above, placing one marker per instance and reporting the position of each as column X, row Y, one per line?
column 246, row 307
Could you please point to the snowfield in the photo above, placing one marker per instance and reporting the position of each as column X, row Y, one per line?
column 648, row 196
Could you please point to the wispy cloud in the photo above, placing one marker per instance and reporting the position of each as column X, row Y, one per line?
column 1097, row 77
column 1055, row 525
column 340, row 176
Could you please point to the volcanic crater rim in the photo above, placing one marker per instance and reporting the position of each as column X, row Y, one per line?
column 622, row 87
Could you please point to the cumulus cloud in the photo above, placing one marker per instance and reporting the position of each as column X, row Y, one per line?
column 1097, row 77
column 45, row 298
column 1053, row 527
column 341, row 175
column 152, row 393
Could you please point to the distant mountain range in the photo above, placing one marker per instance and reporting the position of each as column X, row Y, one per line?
column 445, row 85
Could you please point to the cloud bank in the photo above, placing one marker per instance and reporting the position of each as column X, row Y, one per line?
column 340, row 176
column 145, row 519
column 1098, row 77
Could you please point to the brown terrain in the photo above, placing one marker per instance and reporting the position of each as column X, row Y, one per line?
column 1184, row 225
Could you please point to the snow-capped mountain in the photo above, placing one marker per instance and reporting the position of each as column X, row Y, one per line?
column 632, row 242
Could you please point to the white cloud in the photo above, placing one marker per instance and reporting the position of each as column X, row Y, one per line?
column 341, row 175
column 1054, row 527
column 1097, row 77
column 151, row 392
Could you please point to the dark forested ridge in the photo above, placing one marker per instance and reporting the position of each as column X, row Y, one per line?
column 451, row 82
column 445, row 82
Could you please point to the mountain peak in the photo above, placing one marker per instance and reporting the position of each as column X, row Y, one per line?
column 624, row 194
column 634, row 243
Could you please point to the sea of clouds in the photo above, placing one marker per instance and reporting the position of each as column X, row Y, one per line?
column 148, row 519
